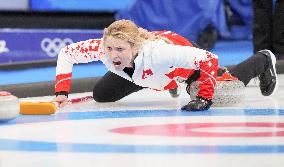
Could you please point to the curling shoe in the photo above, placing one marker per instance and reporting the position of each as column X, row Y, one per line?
column 268, row 79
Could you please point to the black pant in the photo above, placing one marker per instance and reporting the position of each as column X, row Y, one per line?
column 250, row 68
column 112, row 87
column 268, row 26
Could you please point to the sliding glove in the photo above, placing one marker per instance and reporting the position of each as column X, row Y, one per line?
column 199, row 104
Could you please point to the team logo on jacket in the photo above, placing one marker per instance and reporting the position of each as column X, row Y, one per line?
column 147, row 73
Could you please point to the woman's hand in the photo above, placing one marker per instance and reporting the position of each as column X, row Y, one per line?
column 62, row 100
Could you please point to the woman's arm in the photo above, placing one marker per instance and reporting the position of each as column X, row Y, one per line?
column 80, row 52
column 193, row 59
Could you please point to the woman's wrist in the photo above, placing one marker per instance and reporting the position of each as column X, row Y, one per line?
column 61, row 93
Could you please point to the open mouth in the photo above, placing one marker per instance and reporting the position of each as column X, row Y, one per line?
column 116, row 63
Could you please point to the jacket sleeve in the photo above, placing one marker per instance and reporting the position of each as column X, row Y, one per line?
column 208, row 74
column 80, row 52
column 190, row 58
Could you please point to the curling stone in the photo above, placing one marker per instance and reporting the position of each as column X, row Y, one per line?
column 9, row 106
column 228, row 91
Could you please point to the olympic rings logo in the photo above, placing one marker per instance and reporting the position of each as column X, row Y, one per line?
column 52, row 46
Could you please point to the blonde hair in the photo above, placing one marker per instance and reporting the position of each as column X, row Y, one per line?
column 130, row 32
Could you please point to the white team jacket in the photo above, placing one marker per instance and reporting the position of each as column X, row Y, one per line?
column 157, row 65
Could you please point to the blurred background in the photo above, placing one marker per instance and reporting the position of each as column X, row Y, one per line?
column 33, row 31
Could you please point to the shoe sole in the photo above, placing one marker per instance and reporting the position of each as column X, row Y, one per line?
column 273, row 61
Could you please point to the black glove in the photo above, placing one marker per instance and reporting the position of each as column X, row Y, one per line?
column 199, row 104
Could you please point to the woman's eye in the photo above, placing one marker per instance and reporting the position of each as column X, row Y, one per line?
column 109, row 48
column 119, row 49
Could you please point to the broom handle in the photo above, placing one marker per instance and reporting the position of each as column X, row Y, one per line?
column 80, row 99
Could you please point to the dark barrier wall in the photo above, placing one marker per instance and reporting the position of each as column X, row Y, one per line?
column 81, row 20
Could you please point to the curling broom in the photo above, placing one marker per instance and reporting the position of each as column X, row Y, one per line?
column 46, row 108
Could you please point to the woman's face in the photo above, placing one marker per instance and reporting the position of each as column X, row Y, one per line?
column 120, row 52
